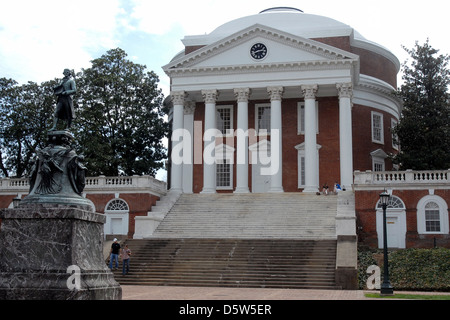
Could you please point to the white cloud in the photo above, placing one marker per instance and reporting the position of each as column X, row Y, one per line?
column 41, row 38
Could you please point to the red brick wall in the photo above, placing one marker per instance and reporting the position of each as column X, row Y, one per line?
column 362, row 137
column 365, row 203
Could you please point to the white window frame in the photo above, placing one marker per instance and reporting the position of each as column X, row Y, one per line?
column 257, row 107
column 224, row 155
column 443, row 215
column 229, row 132
column 381, row 129
column 301, row 117
column 378, row 160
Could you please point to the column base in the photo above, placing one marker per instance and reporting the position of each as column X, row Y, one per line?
column 208, row 191
column 242, row 190
column 311, row 190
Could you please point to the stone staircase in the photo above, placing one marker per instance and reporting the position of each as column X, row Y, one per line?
column 273, row 240
column 261, row 263
column 251, row 216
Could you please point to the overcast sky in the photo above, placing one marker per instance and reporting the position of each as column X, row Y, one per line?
column 39, row 38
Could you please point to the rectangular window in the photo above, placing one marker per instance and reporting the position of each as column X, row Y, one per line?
column 377, row 128
column 262, row 125
column 224, row 174
column 432, row 220
column 301, row 117
column 225, row 119
column 378, row 165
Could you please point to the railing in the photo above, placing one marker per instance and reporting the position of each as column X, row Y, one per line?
column 408, row 178
column 101, row 183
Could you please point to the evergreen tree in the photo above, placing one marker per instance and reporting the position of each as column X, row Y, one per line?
column 25, row 112
column 119, row 125
column 424, row 128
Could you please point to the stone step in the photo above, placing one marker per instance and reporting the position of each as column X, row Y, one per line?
column 232, row 263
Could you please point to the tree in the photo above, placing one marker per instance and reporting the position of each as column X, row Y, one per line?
column 119, row 125
column 424, row 127
column 24, row 114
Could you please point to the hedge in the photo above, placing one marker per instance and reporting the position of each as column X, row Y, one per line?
column 411, row 269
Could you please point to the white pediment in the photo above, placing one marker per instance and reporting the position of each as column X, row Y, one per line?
column 283, row 49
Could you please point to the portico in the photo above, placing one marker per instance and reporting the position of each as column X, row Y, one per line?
column 243, row 132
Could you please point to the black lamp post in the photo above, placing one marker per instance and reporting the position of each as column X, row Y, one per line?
column 386, row 288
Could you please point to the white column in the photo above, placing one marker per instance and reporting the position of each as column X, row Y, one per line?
column 345, row 91
column 311, row 160
column 276, row 146
column 188, row 147
column 176, row 181
column 209, row 155
column 242, row 96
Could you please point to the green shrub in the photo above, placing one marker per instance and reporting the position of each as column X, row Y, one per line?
column 420, row 269
column 411, row 269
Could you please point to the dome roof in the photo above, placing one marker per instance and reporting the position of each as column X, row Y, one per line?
column 289, row 20
column 292, row 21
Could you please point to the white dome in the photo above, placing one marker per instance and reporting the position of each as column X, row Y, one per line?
column 288, row 20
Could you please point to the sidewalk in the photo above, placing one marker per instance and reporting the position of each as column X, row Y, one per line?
column 208, row 293
column 216, row 293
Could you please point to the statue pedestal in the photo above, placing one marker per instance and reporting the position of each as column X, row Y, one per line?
column 53, row 252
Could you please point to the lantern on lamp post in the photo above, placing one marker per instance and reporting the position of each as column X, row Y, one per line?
column 386, row 288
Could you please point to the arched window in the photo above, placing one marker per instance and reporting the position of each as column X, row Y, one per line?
column 394, row 203
column 117, row 205
column 432, row 215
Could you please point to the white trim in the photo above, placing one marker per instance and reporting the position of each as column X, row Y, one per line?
column 443, row 214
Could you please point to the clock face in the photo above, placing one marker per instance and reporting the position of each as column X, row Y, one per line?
column 258, row 51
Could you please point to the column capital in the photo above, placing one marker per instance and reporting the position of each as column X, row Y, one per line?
column 210, row 96
column 189, row 107
column 309, row 91
column 242, row 94
column 345, row 90
column 178, row 97
column 275, row 93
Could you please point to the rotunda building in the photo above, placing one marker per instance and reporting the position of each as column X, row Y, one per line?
column 280, row 101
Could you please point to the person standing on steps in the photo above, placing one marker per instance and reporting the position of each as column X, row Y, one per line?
column 126, row 253
column 114, row 254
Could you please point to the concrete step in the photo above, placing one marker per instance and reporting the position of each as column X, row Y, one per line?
column 232, row 263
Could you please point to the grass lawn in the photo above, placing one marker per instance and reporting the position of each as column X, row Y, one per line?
column 417, row 296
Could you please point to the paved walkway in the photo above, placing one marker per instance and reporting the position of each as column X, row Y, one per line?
column 207, row 293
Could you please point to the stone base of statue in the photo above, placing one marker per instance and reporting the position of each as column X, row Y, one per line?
column 52, row 243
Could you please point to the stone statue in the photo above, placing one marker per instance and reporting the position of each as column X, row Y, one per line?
column 64, row 107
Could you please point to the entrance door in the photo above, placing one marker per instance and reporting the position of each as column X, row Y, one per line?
column 393, row 232
column 116, row 226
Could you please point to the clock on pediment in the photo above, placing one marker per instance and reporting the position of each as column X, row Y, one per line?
column 258, row 51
